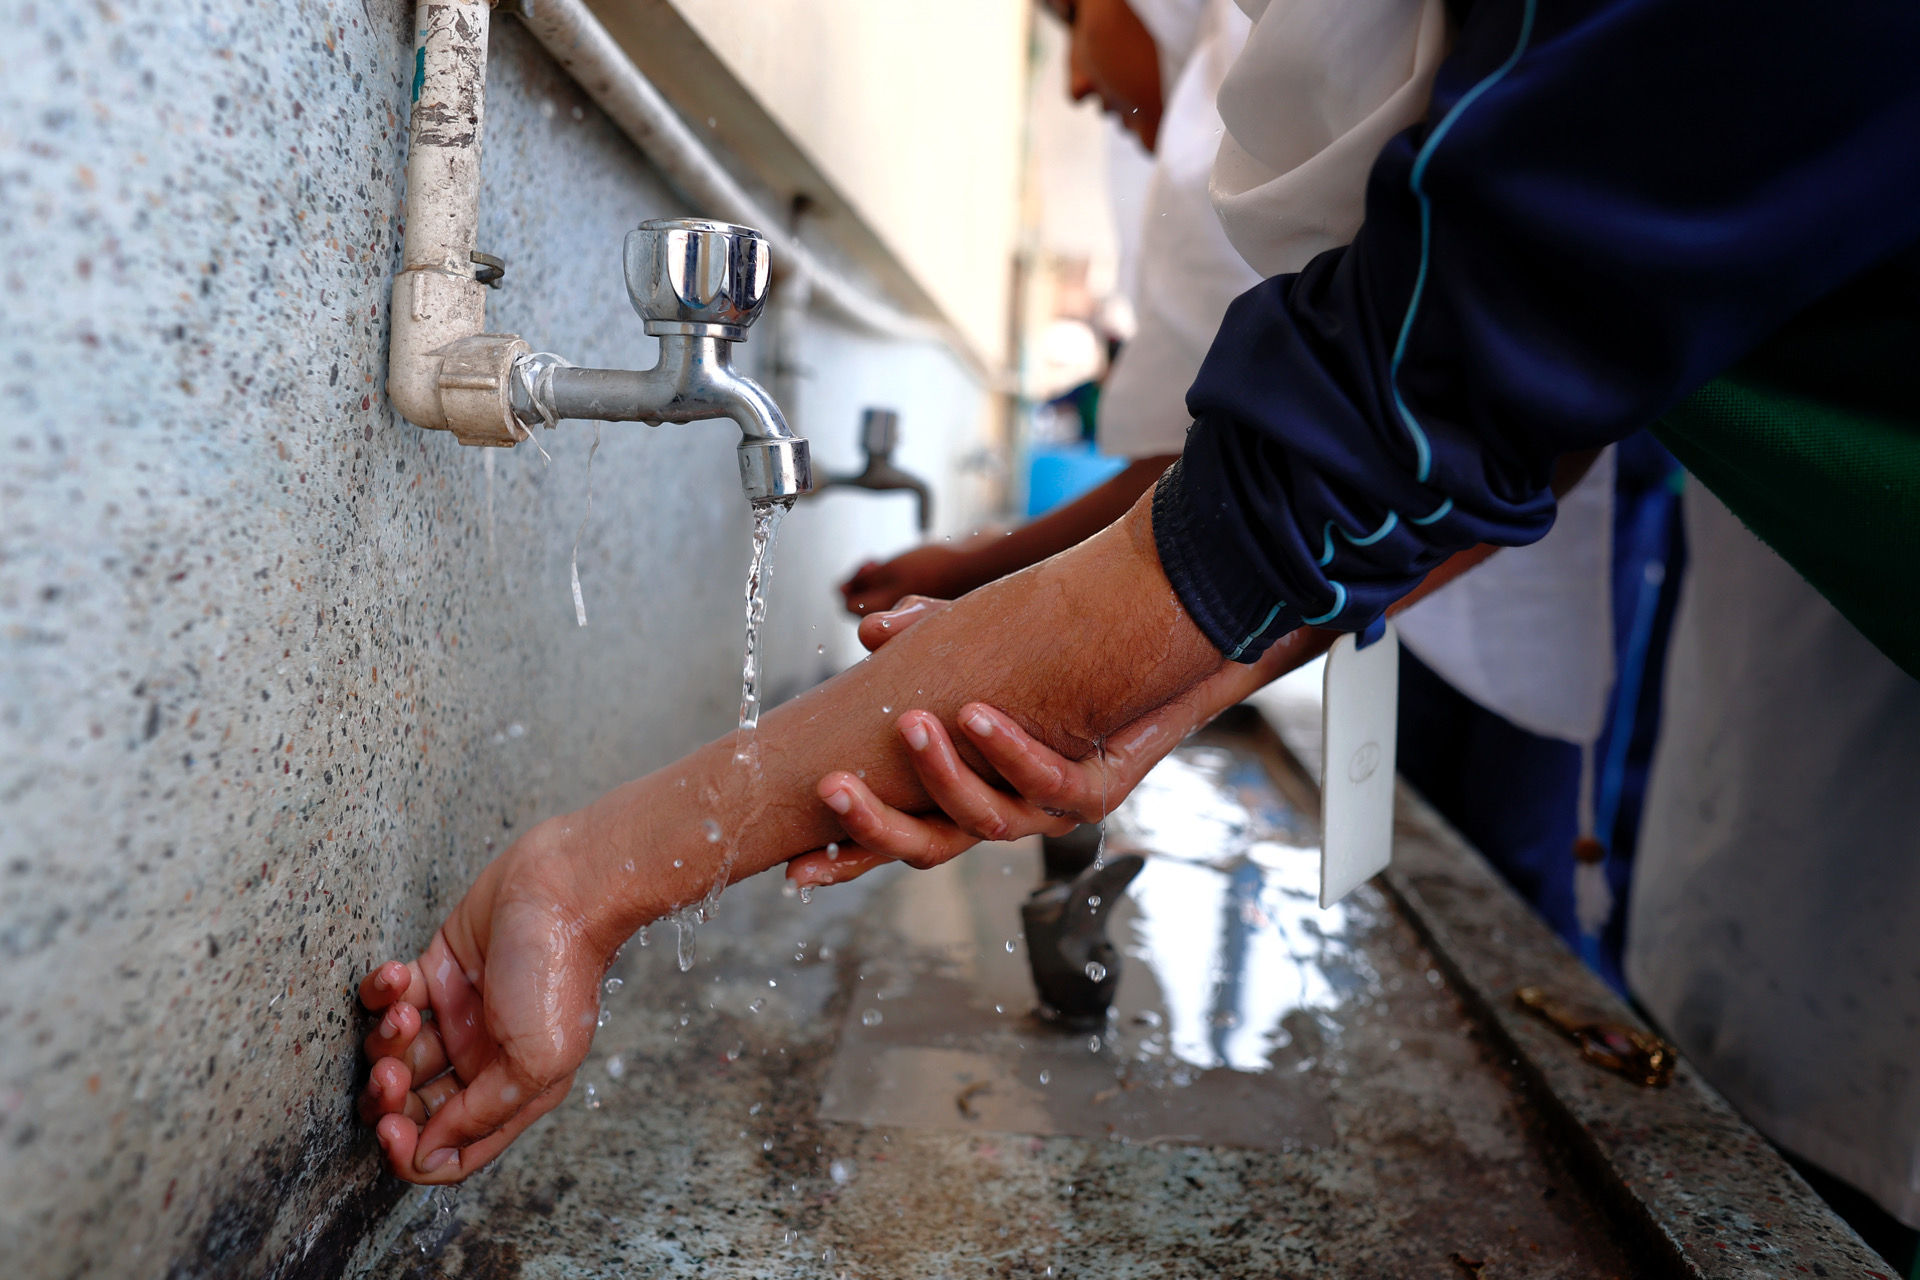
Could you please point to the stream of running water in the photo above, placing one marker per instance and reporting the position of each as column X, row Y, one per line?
column 746, row 744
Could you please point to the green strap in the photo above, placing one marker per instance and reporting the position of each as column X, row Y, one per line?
column 1814, row 443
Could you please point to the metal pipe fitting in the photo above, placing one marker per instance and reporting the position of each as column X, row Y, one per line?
column 697, row 285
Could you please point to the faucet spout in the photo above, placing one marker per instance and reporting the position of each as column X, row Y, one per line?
column 698, row 285
column 694, row 381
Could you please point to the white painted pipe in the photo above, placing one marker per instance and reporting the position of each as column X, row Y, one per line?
column 443, row 370
column 577, row 41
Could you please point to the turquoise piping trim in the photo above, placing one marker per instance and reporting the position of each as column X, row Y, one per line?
column 1255, row 633
column 1386, row 527
column 1422, row 450
column 1339, row 603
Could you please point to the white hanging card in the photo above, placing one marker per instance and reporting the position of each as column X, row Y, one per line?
column 1358, row 735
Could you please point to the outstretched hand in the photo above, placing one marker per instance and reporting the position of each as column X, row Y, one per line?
column 929, row 569
column 482, row 1033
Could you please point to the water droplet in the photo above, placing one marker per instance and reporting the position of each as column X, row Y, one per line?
column 592, row 1098
column 733, row 1054
column 1093, row 1044
column 683, row 923
column 871, row 1018
column 819, row 648
column 806, row 893
column 766, row 1144
column 712, row 830
column 679, row 862
column 611, row 985
column 886, row 711
column 640, row 935
column 1096, row 971
column 1093, row 899
column 826, row 1256
column 1009, row 946
column 616, row 1067
column 754, row 1110
column 841, row 1171
column 833, row 851
column 790, row 1235
column 516, row 731
column 603, row 1019
column 759, row 1003
column 1046, row 1077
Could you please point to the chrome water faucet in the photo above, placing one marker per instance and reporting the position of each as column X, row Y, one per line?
column 879, row 432
column 697, row 285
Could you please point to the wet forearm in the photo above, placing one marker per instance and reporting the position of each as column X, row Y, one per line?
column 1073, row 648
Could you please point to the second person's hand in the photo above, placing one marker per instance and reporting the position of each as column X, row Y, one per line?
column 1050, row 793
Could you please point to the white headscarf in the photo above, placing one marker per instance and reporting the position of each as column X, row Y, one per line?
column 1320, row 88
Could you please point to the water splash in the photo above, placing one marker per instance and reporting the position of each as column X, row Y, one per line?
column 1100, row 848
column 746, row 747
column 684, row 921
column 746, row 743
column 766, row 529
column 573, row 563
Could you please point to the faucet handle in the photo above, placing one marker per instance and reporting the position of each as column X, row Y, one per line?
column 696, row 277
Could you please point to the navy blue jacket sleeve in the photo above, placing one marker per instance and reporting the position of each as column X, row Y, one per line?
column 1609, row 202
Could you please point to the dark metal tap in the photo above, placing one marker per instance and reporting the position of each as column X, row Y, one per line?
column 879, row 432
column 1076, row 968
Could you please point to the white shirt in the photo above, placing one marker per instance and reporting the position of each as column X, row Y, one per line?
column 1187, row 271
column 1777, row 886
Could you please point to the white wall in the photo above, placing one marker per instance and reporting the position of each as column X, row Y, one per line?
column 914, row 109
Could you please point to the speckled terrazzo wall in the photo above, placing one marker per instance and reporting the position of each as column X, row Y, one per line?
column 279, row 671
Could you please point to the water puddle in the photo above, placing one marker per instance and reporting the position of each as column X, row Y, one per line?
column 1228, row 1021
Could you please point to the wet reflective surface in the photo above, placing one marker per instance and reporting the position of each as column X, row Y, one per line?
column 858, row 1087
column 1225, row 1028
